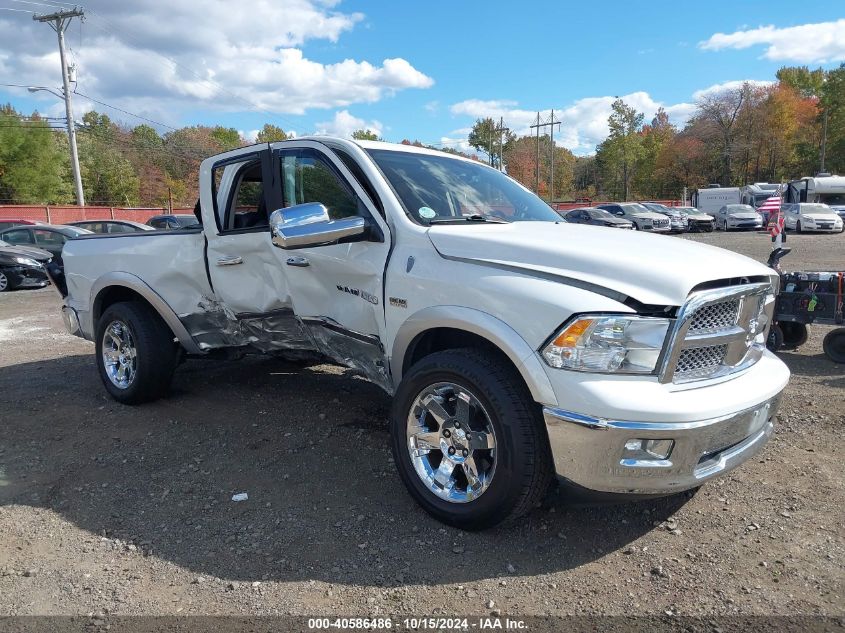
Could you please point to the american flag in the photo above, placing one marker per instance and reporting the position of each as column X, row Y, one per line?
column 771, row 209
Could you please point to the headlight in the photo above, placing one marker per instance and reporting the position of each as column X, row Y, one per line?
column 27, row 261
column 609, row 344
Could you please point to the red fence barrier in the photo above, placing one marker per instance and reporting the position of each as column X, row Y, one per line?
column 63, row 214
column 567, row 206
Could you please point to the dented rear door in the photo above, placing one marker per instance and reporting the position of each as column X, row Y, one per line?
column 251, row 303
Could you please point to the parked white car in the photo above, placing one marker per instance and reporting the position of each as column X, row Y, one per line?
column 811, row 216
column 738, row 216
column 643, row 218
column 515, row 346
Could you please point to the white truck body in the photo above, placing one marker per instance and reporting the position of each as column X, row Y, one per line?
column 380, row 304
column 712, row 199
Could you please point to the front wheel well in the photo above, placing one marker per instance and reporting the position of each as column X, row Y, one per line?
column 445, row 338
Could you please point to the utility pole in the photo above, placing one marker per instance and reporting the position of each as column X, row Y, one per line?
column 824, row 140
column 59, row 22
column 551, row 124
column 537, row 186
column 501, row 129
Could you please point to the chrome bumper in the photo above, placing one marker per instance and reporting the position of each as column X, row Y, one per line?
column 592, row 453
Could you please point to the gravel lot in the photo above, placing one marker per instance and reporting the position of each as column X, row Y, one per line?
column 107, row 509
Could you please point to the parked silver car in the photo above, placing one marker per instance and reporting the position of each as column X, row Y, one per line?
column 738, row 216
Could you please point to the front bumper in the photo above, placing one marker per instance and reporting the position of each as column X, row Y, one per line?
column 26, row 277
column 744, row 224
column 591, row 452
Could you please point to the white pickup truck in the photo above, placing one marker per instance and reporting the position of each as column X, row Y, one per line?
column 515, row 346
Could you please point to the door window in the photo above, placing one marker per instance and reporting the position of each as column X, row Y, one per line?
column 239, row 194
column 20, row 236
column 307, row 176
column 49, row 238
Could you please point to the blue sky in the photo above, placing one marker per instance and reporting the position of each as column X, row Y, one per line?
column 284, row 62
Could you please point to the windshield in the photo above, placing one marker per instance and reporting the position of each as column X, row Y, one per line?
column 601, row 214
column 74, row 231
column 817, row 208
column 438, row 188
column 635, row 208
column 833, row 198
column 688, row 211
column 740, row 208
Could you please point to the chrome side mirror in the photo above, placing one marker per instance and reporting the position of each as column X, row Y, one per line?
column 308, row 224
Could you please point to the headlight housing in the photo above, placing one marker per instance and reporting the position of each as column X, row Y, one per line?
column 625, row 344
column 27, row 261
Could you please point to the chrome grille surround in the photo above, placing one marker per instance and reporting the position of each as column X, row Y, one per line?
column 719, row 332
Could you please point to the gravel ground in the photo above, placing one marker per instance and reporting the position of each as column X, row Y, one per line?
column 107, row 509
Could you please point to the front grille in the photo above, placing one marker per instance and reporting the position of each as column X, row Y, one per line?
column 716, row 316
column 719, row 332
column 661, row 222
column 700, row 362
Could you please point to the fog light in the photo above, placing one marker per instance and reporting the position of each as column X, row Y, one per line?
column 648, row 449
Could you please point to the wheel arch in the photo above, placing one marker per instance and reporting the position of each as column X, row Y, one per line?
column 447, row 327
column 121, row 286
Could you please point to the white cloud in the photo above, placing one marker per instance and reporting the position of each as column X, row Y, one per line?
column 158, row 56
column 344, row 124
column 822, row 42
column 730, row 85
column 583, row 123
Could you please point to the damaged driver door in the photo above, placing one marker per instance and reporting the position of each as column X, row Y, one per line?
column 336, row 287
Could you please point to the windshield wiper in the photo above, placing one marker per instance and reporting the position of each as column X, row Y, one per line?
column 475, row 217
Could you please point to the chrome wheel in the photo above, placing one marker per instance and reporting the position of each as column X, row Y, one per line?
column 452, row 442
column 119, row 354
column 4, row 282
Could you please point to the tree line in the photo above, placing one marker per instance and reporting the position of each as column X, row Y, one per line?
column 748, row 133
column 738, row 135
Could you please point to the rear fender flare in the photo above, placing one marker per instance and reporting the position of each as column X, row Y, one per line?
column 136, row 284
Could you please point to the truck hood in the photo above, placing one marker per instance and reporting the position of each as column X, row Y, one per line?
column 651, row 269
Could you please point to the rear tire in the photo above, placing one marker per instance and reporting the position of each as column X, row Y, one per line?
column 834, row 345
column 136, row 353
column 518, row 469
column 794, row 334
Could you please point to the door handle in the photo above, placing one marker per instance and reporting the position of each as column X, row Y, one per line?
column 301, row 262
column 230, row 260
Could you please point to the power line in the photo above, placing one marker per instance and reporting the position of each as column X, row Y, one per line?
column 137, row 116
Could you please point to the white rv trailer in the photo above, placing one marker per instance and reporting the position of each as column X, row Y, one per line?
column 825, row 188
column 711, row 199
column 757, row 193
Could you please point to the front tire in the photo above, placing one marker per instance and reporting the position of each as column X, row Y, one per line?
column 794, row 334
column 774, row 342
column 468, row 440
column 135, row 351
column 4, row 282
column 725, row 226
column 798, row 226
